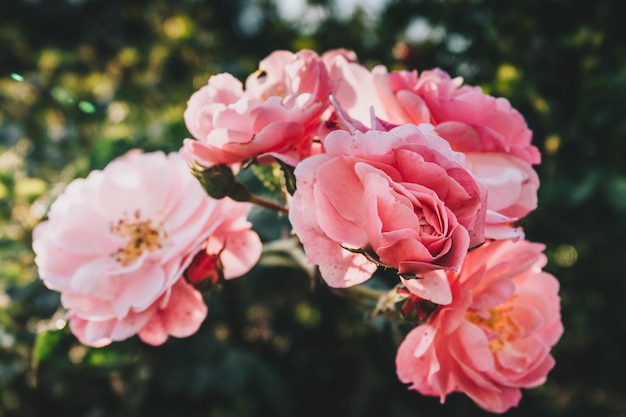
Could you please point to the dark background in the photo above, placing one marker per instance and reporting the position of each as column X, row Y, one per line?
column 82, row 81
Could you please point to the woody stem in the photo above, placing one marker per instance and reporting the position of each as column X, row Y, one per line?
column 262, row 202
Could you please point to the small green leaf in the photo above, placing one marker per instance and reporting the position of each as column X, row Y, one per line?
column 290, row 178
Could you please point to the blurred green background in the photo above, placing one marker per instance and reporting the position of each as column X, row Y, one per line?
column 82, row 81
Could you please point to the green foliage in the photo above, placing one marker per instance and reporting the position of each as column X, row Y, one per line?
column 82, row 82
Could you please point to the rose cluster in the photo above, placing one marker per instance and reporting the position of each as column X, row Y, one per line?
column 409, row 172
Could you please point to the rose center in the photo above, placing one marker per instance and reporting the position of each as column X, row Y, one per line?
column 143, row 236
column 500, row 327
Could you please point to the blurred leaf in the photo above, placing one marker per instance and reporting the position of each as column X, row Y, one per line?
column 584, row 190
column 30, row 187
column 286, row 253
column 616, row 192
column 111, row 357
column 270, row 177
column 45, row 342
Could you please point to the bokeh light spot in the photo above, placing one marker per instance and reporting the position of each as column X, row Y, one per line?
column 565, row 255
column 177, row 27
column 86, row 107
column 552, row 144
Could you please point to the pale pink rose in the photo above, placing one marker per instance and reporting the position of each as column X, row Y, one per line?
column 403, row 197
column 179, row 313
column 329, row 56
column 512, row 185
column 488, row 130
column 116, row 242
column 495, row 337
column 276, row 116
column 354, row 86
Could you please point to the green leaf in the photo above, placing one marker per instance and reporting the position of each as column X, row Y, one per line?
column 269, row 175
column 290, row 178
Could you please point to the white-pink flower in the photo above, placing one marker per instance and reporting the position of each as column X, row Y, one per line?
column 495, row 337
column 276, row 116
column 117, row 242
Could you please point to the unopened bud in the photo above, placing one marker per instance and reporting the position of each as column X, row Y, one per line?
column 219, row 181
column 204, row 267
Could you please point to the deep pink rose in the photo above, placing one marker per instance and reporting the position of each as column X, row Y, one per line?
column 495, row 337
column 403, row 197
column 117, row 242
column 276, row 116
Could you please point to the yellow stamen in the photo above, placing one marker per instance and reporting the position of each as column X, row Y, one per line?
column 504, row 329
column 143, row 237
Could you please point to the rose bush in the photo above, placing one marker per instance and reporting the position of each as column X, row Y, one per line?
column 414, row 173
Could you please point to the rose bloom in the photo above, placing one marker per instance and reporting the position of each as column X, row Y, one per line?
column 116, row 244
column 493, row 135
column 354, row 86
column 276, row 116
column 496, row 335
column 403, row 198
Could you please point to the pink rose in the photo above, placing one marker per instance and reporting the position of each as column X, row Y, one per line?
column 488, row 130
column 354, row 88
column 496, row 335
column 179, row 313
column 469, row 119
column 512, row 185
column 402, row 198
column 116, row 244
column 276, row 116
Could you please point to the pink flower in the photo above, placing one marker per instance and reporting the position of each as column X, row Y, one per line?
column 402, row 198
column 512, row 185
column 354, row 86
column 496, row 335
column 492, row 134
column 179, row 313
column 276, row 116
column 116, row 244
column 469, row 119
